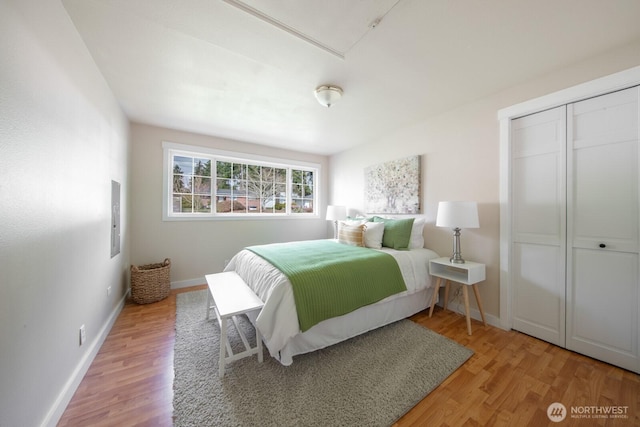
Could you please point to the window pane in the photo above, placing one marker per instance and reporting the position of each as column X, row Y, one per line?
column 302, row 191
column 202, row 186
column 223, row 169
column 253, row 205
column 308, row 206
column 234, row 205
column 202, row 204
column 223, row 194
column 181, row 184
column 281, row 176
column 239, row 205
column 239, row 188
column 183, row 203
column 280, row 197
column 296, row 190
column 306, row 181
column 268, row 174
column 176, row 204
column 183, row 165
column 239, row 171
column 267, row 195
column 222, row 185
column 223, row 206
column 266, row 190
column 202, row 167
column 253, row 172
column 297, row 205
column 308, row 178
column 266, row 206
column 301, row 205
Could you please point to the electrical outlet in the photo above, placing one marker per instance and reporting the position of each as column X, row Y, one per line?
column 108, row 290
column 83, row 335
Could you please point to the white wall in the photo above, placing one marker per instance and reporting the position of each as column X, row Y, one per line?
column 200, row 247
column 63, row 138
column 460, row 154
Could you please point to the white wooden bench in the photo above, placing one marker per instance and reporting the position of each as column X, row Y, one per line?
column 231, row 296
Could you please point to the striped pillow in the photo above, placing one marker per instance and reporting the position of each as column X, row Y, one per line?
column 351, row 234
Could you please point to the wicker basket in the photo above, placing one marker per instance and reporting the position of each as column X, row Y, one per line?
column 150, row 283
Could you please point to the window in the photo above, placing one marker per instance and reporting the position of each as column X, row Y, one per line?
column 206, row 183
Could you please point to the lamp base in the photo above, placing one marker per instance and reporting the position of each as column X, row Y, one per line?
column 456, row 258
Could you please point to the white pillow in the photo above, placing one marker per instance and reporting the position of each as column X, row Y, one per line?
column 417, row 239
column 373, row 233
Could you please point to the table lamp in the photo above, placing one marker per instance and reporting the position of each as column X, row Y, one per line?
column 457, row 215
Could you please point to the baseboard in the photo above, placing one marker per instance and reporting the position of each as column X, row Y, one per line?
column 474, row 313
column 188, row 283
column 57, row 409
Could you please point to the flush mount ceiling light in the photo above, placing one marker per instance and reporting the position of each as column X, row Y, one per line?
column 328, row 95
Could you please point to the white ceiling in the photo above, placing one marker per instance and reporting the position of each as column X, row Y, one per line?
column 246, row 69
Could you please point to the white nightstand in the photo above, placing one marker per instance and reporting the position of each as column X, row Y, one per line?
column 469, row 274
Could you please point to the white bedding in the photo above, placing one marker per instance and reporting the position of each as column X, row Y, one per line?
column 278, row 320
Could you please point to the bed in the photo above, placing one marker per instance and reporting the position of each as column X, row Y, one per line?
column 278, row 321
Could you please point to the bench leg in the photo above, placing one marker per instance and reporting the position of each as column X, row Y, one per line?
column 223, row 342
column 259, row 344
column 209, row 301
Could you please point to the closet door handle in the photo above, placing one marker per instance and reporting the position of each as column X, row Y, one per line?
column 602, row 245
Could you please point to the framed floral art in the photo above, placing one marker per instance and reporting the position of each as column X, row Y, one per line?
column 393, row 187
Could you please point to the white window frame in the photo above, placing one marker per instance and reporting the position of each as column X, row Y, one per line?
column 171, row 148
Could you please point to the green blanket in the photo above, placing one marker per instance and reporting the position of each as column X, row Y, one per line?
column 330, row 279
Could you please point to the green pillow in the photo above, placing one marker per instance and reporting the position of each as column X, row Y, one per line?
column 397, row 232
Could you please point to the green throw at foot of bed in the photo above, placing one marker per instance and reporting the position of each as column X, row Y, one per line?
column 330, row 279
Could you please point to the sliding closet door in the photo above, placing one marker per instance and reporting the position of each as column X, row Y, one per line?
column 538, row 147
column 603, row 233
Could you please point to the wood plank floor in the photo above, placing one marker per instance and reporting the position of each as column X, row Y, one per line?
column 510, row 380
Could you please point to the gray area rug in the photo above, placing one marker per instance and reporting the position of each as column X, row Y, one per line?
column 370, row 380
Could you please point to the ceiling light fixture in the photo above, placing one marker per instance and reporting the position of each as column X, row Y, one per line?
column 328, row 95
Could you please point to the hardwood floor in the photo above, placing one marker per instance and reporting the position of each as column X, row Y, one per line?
column 130, row 382
column 509, row 381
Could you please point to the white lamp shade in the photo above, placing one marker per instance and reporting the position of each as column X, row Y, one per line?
column 328, row 95
column 336, row 213
column 458, row 215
